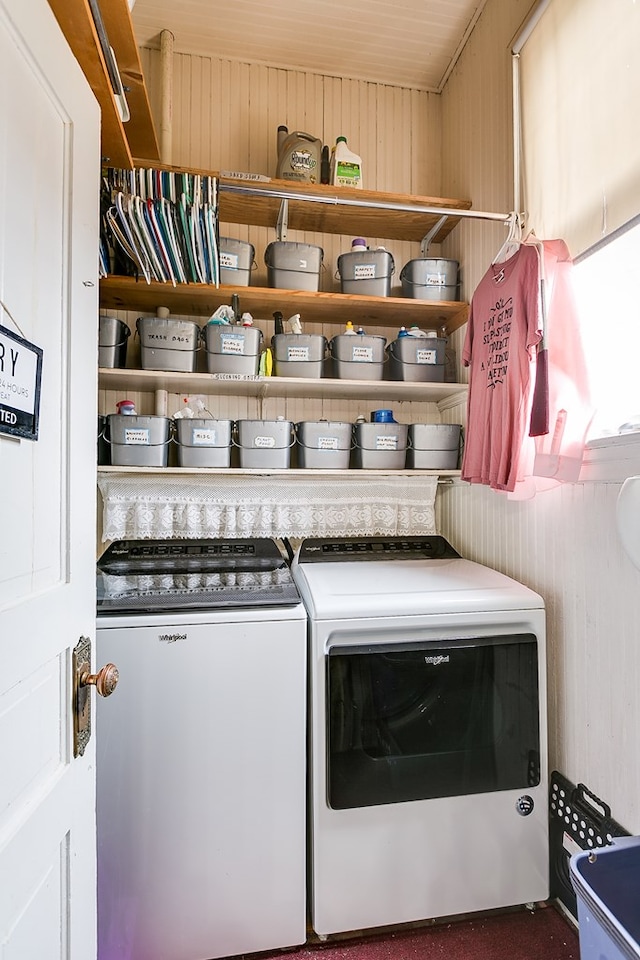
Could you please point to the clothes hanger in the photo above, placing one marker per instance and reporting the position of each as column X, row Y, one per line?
column 514, row 238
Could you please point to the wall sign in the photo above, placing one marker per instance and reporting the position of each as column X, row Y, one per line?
column 20, row 375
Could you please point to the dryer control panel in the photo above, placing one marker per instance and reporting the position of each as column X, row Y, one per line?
column 343, row 549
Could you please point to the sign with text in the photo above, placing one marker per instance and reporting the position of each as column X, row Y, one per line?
column 20, row 375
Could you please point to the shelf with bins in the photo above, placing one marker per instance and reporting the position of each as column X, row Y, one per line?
column 201, row 300
column 127, row 379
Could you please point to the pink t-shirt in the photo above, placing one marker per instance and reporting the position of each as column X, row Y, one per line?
column 503, row 330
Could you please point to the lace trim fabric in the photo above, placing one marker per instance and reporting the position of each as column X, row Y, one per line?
column 175, row 507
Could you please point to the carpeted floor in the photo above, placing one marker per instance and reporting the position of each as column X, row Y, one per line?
column 542, row 934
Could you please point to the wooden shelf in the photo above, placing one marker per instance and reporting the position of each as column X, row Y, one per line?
column 200, row 300
column 120, row 141
column 338, row 210
column 292, row 473
column 126, row 379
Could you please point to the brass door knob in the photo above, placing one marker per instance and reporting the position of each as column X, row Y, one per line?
column 105, row 680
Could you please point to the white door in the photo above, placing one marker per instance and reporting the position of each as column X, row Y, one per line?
column 49, row 177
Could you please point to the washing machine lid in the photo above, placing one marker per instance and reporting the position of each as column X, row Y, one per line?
column 153, row 576
column 399, row 576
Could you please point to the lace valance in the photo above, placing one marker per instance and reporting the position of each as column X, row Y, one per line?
column 175, row 506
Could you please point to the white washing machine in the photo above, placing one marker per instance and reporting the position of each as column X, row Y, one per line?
column 428, row 734
column 201, row 752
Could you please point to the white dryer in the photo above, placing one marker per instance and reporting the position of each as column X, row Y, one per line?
column 428, row 733
column 201, row 752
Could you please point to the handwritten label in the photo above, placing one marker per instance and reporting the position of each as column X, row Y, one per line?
column 228, row 261
column 425, row 356
column 137, row 437
column 232, row 343
column 264, row 442
column 297, row 353
column 387, row 443
column 328, row 443
column 203, row 438
column 362, row 354
column 364, row 271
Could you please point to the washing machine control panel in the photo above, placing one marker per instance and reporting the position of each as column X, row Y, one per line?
column 375, row 548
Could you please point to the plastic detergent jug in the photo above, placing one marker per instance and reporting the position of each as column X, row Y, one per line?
column 346, row 166
column 299, row 156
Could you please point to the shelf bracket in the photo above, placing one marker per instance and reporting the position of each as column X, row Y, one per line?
column 283, row 220
column 426, row 240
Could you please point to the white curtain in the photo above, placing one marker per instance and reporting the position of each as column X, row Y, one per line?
column 580, row 96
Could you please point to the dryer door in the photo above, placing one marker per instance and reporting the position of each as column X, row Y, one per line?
column 418, row 720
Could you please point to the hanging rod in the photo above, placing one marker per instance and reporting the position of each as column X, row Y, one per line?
column 280, row 194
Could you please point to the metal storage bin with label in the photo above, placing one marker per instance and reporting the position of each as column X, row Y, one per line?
column 265, row 443
column 232, row 349
column 417, row 358
column 298, row 354
column 138, row 441
column 430, row 279
column 366, row 272
column 236, row 261
column 323, row 444
column 357, row 356
column 167, row 344
column 203, row 442
column 433, row 446
column 380, row 446
column 113, row 335
column 293, row 266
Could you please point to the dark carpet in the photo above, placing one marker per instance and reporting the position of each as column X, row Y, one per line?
column 542, row 934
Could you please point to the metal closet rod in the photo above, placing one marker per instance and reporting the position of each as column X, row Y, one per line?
column 370, row 204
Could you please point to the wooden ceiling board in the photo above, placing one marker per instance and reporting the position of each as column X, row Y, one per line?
column 409, row 43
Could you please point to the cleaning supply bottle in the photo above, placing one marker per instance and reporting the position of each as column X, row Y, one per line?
column 349, row 328
column 358, row 244
column 126, row 407
column 346, row 166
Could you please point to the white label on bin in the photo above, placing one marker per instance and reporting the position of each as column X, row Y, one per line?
column 425, row 356
column 203, row 438
column 364, row 271
column 386, row 443
column 264, row 442
column 137, row 437
column 228, row 261
column 328, row 443
column 435, row 279
column 232, row 343
column 302, row 264
column 362, row 354
column 297, row 353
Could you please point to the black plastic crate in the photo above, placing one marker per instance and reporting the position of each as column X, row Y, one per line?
column 578, row 820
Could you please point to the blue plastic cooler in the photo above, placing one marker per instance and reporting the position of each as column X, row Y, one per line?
column 607, row 885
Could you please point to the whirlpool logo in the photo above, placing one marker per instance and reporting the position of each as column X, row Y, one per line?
column 171, row 637
column 436, row 661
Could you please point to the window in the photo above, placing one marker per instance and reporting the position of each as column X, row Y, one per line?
column 608, row 294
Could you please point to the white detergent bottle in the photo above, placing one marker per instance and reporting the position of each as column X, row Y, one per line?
column 346, row 166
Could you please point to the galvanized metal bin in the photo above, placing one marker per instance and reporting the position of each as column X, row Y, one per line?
column 113, row 335
column 357, row 356
column 138, row 441
column 323, row 444
column 433, row 446
column 298, row 354
column 236, row 261
column 167, row 344
column 293, row 266
column 265, row 443
column 430, row 279
column 417, row 358
column 232, row 349
column 366, row 272
column 380, row 446
column 203, row 442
